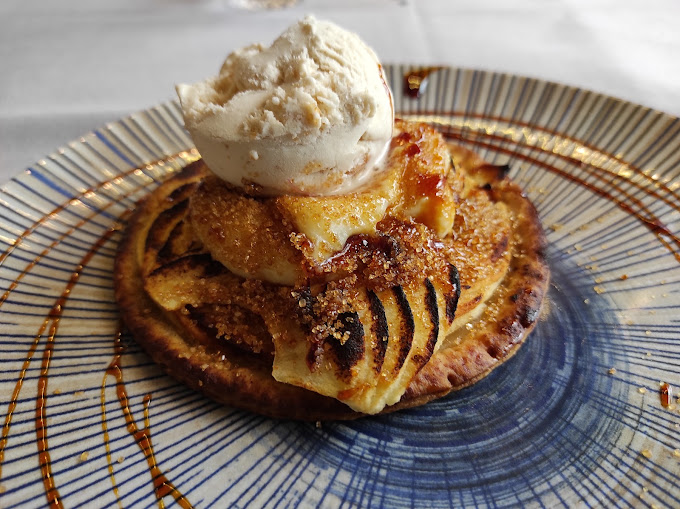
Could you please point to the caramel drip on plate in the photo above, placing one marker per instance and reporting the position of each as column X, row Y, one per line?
column 51, row 491
column 666, row 394
column 54, row 317
column 118, row 348
column 185, row 156
column 15, row 395
column 51, row 321
column 415, row 82
column 162, row 486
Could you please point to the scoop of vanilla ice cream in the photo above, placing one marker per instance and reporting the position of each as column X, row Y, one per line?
column 311, row 114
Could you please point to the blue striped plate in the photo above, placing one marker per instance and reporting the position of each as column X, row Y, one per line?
column 576, row 418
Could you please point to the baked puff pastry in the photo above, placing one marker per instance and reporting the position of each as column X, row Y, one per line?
column 335, row 307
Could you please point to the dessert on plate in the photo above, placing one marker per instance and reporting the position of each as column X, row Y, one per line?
column 324, row 260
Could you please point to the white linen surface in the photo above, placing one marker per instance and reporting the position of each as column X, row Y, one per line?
column 68, row 67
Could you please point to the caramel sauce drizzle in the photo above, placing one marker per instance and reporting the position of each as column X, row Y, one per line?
column 186, row 157
column 162, row 486
column 648, row 219
column 651, row 191
column 15, row 395
column 54, row 317
column 71, row 230
column 118, row 349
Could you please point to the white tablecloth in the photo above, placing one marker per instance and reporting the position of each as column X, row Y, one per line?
column 68, row 67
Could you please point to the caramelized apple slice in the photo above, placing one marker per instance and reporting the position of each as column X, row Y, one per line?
column 244, row 233
column 376, row 347
column 418, row 183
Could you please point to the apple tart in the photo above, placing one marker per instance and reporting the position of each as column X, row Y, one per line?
column 333, row 307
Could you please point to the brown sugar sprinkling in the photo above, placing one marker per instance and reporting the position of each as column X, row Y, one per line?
column 84, row 456
column 642, row 390
column 120, row 459
column 646, row 453
column 612, row 371
column 598, row 289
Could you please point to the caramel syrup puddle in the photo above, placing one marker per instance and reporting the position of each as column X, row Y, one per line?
column 162, row 486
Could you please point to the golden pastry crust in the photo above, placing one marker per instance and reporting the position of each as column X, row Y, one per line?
column 213, row 329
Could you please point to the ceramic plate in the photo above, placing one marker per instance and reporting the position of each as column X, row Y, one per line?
column 577, row 418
